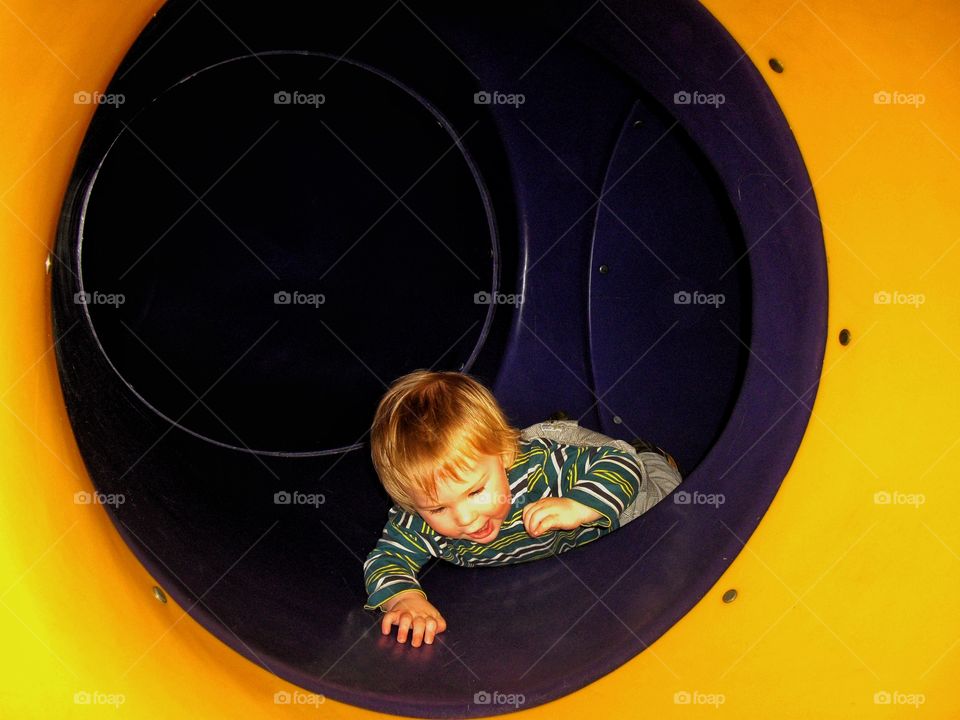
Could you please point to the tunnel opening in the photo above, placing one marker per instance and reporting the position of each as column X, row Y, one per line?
column 263, row 234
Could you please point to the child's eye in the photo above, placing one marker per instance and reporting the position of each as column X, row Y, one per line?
column 437, row 511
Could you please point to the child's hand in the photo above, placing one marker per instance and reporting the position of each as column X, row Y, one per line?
column 556, row 513
column 412, row 609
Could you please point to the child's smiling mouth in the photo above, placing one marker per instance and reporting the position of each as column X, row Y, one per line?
column 483, row 531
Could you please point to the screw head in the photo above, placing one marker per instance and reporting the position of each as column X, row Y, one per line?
column 730, row 595
column 776, row 65
column 844, row 337
column 159, row 594
column 604, row 269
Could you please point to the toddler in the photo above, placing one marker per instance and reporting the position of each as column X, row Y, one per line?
column 472, row 490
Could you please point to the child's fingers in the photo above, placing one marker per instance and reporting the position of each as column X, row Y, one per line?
column 419, row 626
column 423, row 627
column 531, row 508
column 389, row 618
column 528, row 522
column 533, row 522
column 544, row 523
column 406, row 620
column 538, row 511
column 531, row 515
column 430, row 630
column 549, row 523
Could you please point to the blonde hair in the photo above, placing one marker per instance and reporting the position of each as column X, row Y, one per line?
column 434, row 425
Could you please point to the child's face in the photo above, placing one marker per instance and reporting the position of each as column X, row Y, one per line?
column 478, row 504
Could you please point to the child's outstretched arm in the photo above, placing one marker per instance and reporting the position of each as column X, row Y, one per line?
column 390, row 577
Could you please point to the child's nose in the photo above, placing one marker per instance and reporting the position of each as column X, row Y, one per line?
column 466, row 516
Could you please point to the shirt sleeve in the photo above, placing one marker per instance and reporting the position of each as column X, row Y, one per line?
column 605, row 479
column 392, row 565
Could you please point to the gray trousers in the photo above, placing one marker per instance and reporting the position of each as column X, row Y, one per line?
column 658, row 477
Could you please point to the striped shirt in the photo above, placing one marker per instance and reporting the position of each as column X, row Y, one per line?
column 604, row 478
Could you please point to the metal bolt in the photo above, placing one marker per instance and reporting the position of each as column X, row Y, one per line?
column 844, row 337
column 159, row 594
column 730, row 595
column 638, row 123
column 617, row 420
column 776, row 65
column 604, row 269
